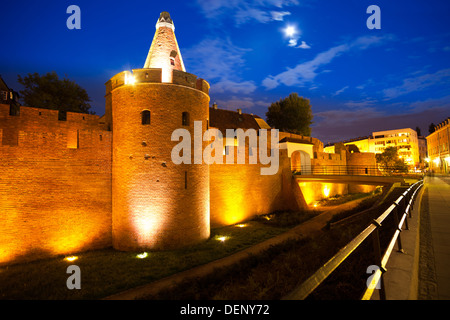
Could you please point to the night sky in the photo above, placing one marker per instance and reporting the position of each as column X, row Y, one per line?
column 357, row 79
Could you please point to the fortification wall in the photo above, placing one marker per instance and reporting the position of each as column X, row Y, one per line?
column 55, row 184
column 318, row 145
column 362, row 163
column 239, row 192
column 329, row 163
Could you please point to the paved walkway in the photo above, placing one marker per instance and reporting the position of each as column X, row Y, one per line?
column 401, row 278
column 434, row 265
column 422, row 271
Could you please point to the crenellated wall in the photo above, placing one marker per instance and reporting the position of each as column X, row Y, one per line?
column 55, row 184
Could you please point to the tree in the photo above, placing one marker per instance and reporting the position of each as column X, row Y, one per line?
column 291, row 114
column 431, row 128
column 390, row 161
column 49, row 92
column 418, row 131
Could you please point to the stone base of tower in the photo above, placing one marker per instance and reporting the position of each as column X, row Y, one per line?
column 157, row 212
column 129, row 241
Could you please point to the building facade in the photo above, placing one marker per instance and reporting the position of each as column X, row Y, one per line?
column 438, row 144
column 405, row 140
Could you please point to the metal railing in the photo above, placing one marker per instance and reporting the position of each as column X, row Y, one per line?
column 402, row 206
column 347, row 170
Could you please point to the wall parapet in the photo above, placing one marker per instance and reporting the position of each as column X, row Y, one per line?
column 36, row 127
column 157, row 75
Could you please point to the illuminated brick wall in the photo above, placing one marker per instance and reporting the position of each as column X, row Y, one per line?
column 239, row 192
column 357, row 163
column 55, row 193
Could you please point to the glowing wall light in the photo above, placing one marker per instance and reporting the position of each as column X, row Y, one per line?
column 166, row 74
column 142, row 255
column 71, row 258
column 436, row 161
column 221, row 238
column 241, row 225
column 326, row 191
column 129, row 79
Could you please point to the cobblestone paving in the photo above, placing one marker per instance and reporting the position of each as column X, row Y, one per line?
column 427, row 269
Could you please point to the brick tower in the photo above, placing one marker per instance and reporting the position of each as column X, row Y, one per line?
column 157, row 204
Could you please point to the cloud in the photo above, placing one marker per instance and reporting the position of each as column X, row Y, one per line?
column 244, row 11
column 303, row 45
column 217, row 60
column 304, row 72
column 279, row 15
column 428, row 104
column 361, row 118
column 341, row 90
column 418, row 83
column 228, row 86
column 214, row 58
column 359, row 104
column 235, row 102
column 292, row 42
column 307, row 71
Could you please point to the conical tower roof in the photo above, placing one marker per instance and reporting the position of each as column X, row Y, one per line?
column 164, row 52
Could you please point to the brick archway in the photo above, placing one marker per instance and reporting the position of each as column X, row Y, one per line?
column 300, row 161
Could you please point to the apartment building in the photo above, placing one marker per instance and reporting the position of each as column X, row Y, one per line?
column 405, row 140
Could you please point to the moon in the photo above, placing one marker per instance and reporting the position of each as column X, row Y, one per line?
column 290, row 31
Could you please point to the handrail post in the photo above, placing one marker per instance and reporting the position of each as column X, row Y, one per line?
column 377, row 254
column 405, row 206
column 411, row 201
column 397, row 225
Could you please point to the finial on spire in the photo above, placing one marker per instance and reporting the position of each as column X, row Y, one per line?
column 164, row 20
column 165, row 16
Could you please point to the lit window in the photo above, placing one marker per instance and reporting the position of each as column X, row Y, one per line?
column 145, row 117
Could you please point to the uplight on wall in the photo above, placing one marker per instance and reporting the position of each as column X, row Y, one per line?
column 221, row 238
column 142, row 255
column 326, row 191
column 129, row 79
column 71, row 258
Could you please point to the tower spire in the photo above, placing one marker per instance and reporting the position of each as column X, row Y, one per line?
column 164, row 52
